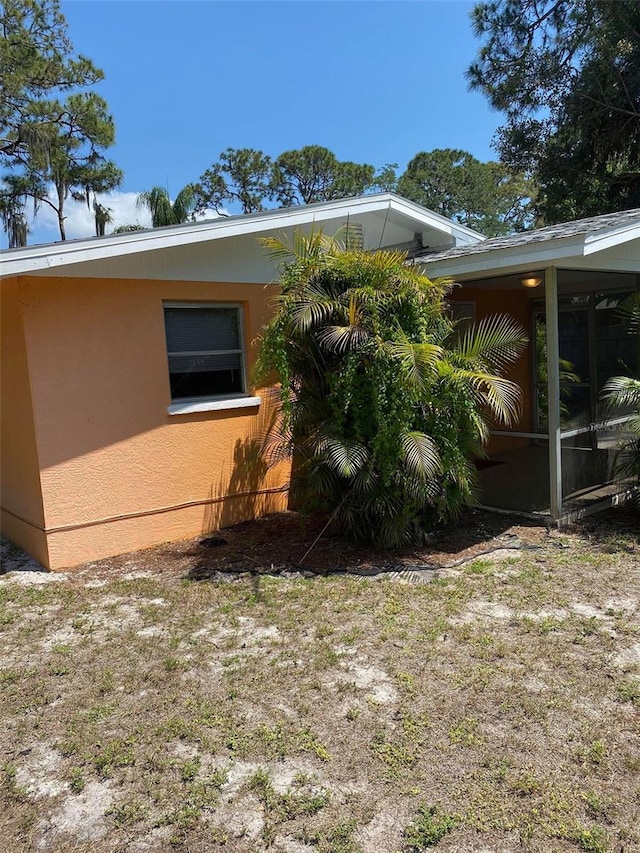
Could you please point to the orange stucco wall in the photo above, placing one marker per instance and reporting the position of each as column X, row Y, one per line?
column 117, row 471
column 93, row 465
column 22, row 512
column 517, row 304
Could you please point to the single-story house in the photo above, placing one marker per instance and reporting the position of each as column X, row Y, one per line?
column 128, row 418
column 127, row 410
column 565, row 284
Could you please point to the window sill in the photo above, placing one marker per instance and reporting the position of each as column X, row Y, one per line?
column 213, row 405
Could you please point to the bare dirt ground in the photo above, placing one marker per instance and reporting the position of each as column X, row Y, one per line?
column 478, row 694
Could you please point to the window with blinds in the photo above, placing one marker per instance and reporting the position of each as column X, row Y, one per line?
column 205, row 350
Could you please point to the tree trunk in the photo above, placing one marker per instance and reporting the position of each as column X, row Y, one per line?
column 61, row 191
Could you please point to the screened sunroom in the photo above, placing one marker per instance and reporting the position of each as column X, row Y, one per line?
column 571, row 287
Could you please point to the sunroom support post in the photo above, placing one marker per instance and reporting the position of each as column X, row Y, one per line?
column 553, row 391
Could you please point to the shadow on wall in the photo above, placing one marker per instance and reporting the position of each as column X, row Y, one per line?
column 259, row 483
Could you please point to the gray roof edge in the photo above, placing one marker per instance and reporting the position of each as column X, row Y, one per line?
column 591, row 228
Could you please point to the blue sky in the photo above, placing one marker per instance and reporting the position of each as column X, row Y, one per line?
column 375, row 82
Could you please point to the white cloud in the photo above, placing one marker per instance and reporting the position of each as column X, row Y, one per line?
column 80, row 222
column 79, row 219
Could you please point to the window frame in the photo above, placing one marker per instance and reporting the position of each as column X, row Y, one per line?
column 180, row 404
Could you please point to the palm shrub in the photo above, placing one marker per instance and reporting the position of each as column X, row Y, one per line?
column 383, row 406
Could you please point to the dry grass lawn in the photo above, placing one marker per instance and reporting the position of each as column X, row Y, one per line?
column 493, row 707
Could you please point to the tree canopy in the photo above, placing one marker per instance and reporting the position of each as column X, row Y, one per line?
column 314, row 173
column 254, row 180
column 485, row 196
column 51, row 135
column 242, row 175
column 566, row 74
column 488, row 197
column 37, row 64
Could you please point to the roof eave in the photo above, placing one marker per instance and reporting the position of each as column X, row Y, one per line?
column 33, row 259
column 611, row 237
column 510, row 259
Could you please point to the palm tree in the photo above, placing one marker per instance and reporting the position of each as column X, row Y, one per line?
column 163, row 211
column 383, row 410
column 102, row 216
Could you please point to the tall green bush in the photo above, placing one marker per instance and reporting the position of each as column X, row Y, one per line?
column 384, row 406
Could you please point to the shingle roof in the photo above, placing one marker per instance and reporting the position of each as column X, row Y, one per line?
column 591, row 225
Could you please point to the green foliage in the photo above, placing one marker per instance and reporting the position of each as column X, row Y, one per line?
column 13, row 218
column 47, row 141
column 566, row 73
column 127, row 813
column 314, row 173
column 382, row 410
column 593, row 839
column 128, row 228
column 624, row 392
column 334, row 839
column 428, row 828
column 484, row 196
column 387, row 179
column 242, row 175
column 302, row 800
column 165, row 212
column 37, row 63
column 77, row 781
column 307, row 175
column 102, row 217
column 629, row 691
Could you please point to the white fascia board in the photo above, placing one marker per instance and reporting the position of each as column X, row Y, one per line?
column 602, row 240
column 512, row 259
column 78, row 251
column 51, row 256
column 94, row 249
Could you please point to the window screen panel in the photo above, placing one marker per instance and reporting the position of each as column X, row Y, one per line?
column 617, row 346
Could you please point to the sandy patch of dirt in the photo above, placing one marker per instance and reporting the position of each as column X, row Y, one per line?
column 30, row 577
column 39, row 772
column 241, row 817
column 80, row 817
column 628, row 659
column 372, row 680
